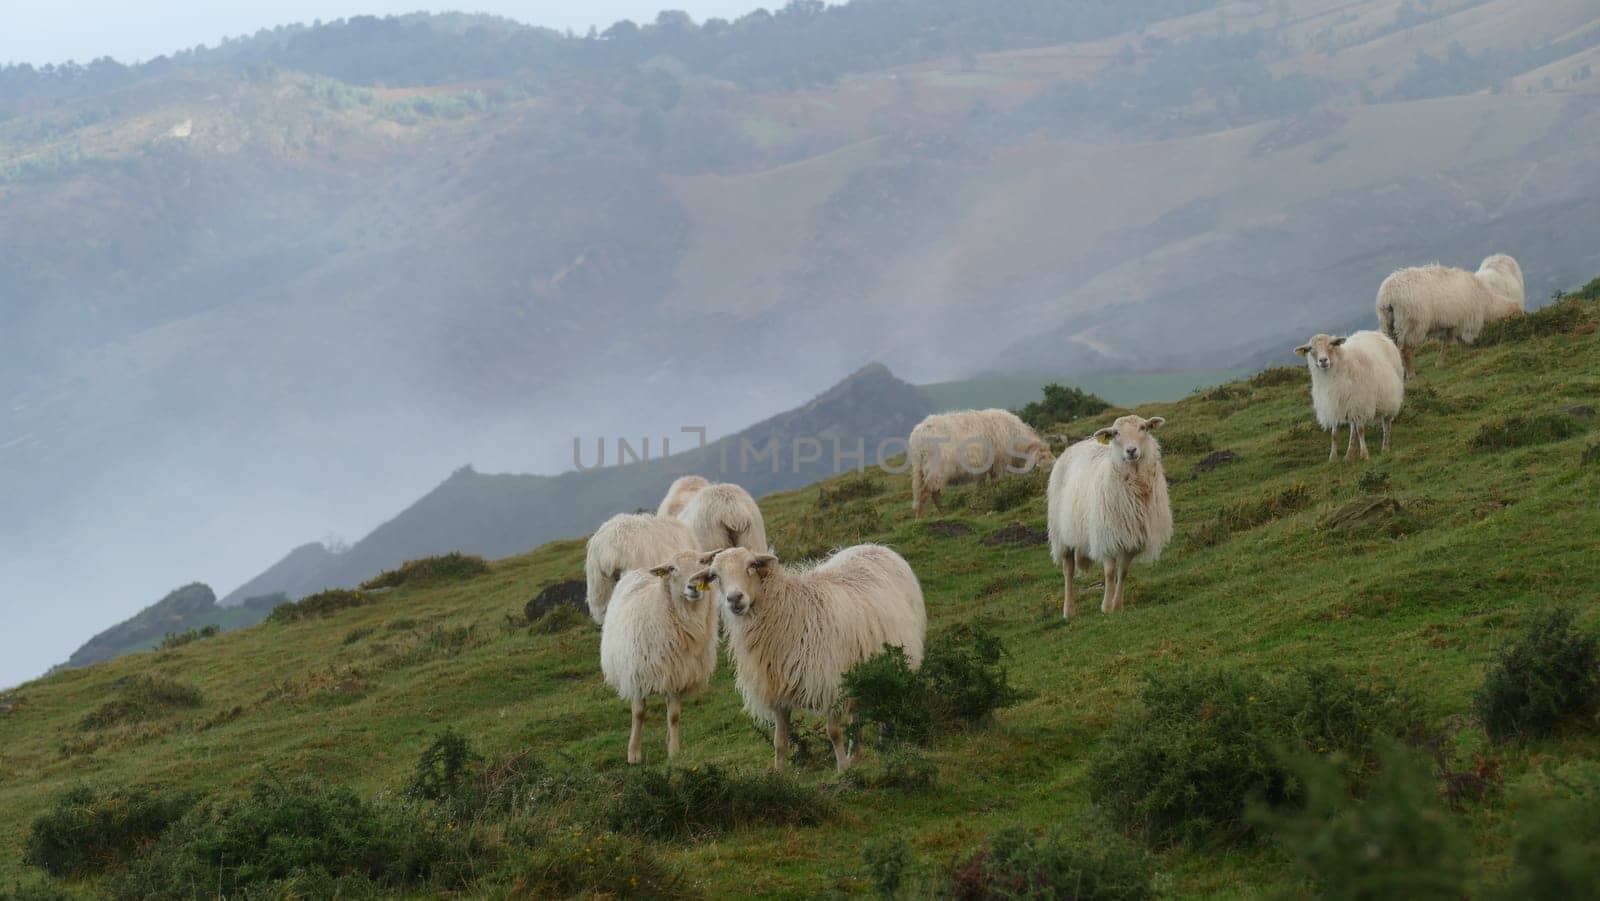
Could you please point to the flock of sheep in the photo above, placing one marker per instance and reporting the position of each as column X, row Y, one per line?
column 663, row 586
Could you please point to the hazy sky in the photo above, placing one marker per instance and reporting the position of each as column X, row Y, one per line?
column 43, row 31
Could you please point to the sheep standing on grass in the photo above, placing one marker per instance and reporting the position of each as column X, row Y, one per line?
column 949, row 448
column 794, row 633
column 678, row 496
column 1108, row 503
column 1451, row 304
column 725, row 515
column 629, row 541
column 1355, row 381
column 660, row 638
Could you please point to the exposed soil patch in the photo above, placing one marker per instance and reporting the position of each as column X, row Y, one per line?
column 1212, row 461
column 948, row 528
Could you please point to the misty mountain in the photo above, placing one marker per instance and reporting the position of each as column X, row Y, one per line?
column 192, row 606
column 271, row 289
column 858, row 422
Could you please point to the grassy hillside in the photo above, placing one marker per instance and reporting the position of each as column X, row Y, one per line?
column 1256, row 579
column 1126, row 390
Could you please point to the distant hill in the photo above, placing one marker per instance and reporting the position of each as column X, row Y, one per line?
column 191, row 607
column 497, row 515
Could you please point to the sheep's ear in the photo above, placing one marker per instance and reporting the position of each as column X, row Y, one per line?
column 1303, row 349
column 661, row 571
column 1104, row 435
column 1336, row 342
column 705, row 559
column 702, row 579
column 1154, row 422
column 762, row 561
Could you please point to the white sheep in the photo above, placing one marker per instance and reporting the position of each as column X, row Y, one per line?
column 629, row 541
column 1355, row 380
column 1451, row 304
column 948, row 448
column 660, row 638
column 725, row 515
column 793, row 633
column 678, row 496
column 1108, row 503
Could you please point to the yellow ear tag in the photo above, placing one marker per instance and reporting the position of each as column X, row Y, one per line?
column 1103, row 439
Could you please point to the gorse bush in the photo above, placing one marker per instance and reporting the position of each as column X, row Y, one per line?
column 444, row 768
column 682, row 803
column 1206, row 744
column 1061, row 404
column 1399, row 841
column 1548, row 678
column 1565, row 315
column 575, row 863
column 89, row 831
column 302, row 839
column 452, row 567
column 322, row 603
column 1015, row 864
column 1557, row 850
column 960, row 684
column 142, row 698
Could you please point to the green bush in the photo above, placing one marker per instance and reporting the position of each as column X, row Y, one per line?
column 1373, row 481
column 444, row 768
column 1061, row 404
column 179, row 639
column 89, row 831
column 320, row 604
column 141, row 698
column 1206, row 744
column 960, row 684
column 1557, row 850
column 1524, row 431
column 569, row 864
column 682, row 803
column 888, row 861
column 452, row 567
column 1015, row 864
column 1546, row 679
column 300, row 839
column 1399, row 841
column 1013, row 491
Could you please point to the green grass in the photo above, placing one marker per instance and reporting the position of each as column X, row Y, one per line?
column 1125, row 390
column 1253, row 580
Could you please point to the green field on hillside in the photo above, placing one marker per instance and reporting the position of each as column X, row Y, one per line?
column 1122, row 389
column 1493, row 520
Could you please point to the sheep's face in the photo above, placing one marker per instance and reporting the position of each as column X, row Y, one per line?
column 683, row 577
column 1132, row 439
column 1321, row 351
column 738, row 576
column 1038, row 454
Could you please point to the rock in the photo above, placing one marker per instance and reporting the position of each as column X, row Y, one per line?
column 571, row 593
column 1363, row 512
column 1017, row 535
column 1218, row 458
column 1583, row 411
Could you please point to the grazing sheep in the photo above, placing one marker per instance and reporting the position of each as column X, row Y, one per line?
column 725, row 515
column 1108, row 503
column 629, row 541
column 1451, row 304
column 660, row 638
column 949, row 448
column 793, row 633
column 1355, row 380
column 678, row 496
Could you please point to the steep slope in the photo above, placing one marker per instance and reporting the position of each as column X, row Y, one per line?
column 182, row 610
column 1495, row 520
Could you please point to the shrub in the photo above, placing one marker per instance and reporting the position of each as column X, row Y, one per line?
column 960, row 685
column 141, row 698
column 558, row 619
column 1013, row 491
column 1207, row 743
column 679, row 803
column 1557, row 848
column 1398, row 842
column 443, row 768
column 89, row 831
column 847, row 488
column 1548, row 678
column 888, row 861
column 452, row 567
column 1015, row 864
column 320, row 604
column 179, row 639
column 1524, row 431
column 564, row 864
column 1374, row 480
column 1061, row 404
column 301, row 839
column 568, row 593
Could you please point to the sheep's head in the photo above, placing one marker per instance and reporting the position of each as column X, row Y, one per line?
column 1037, row 452
column 1320, row 351
column 682, row 577
column 739, row 577
column 1132, row 439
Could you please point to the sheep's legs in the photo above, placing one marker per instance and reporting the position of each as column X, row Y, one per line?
column 1333, row 446
column 1116, row 571
column 1444, row 344
column 780, row 740
column 1406, row 355
column 636, row 740
column 1122, row 579
column 1361, row 434
column 1386, row 424
column 674, row 714
column 1350, row 449
column 1069, row 566
column 843, row 757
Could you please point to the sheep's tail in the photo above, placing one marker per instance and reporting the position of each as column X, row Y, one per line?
column 735, row 536
column 602, row 581
column 1386, row 320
